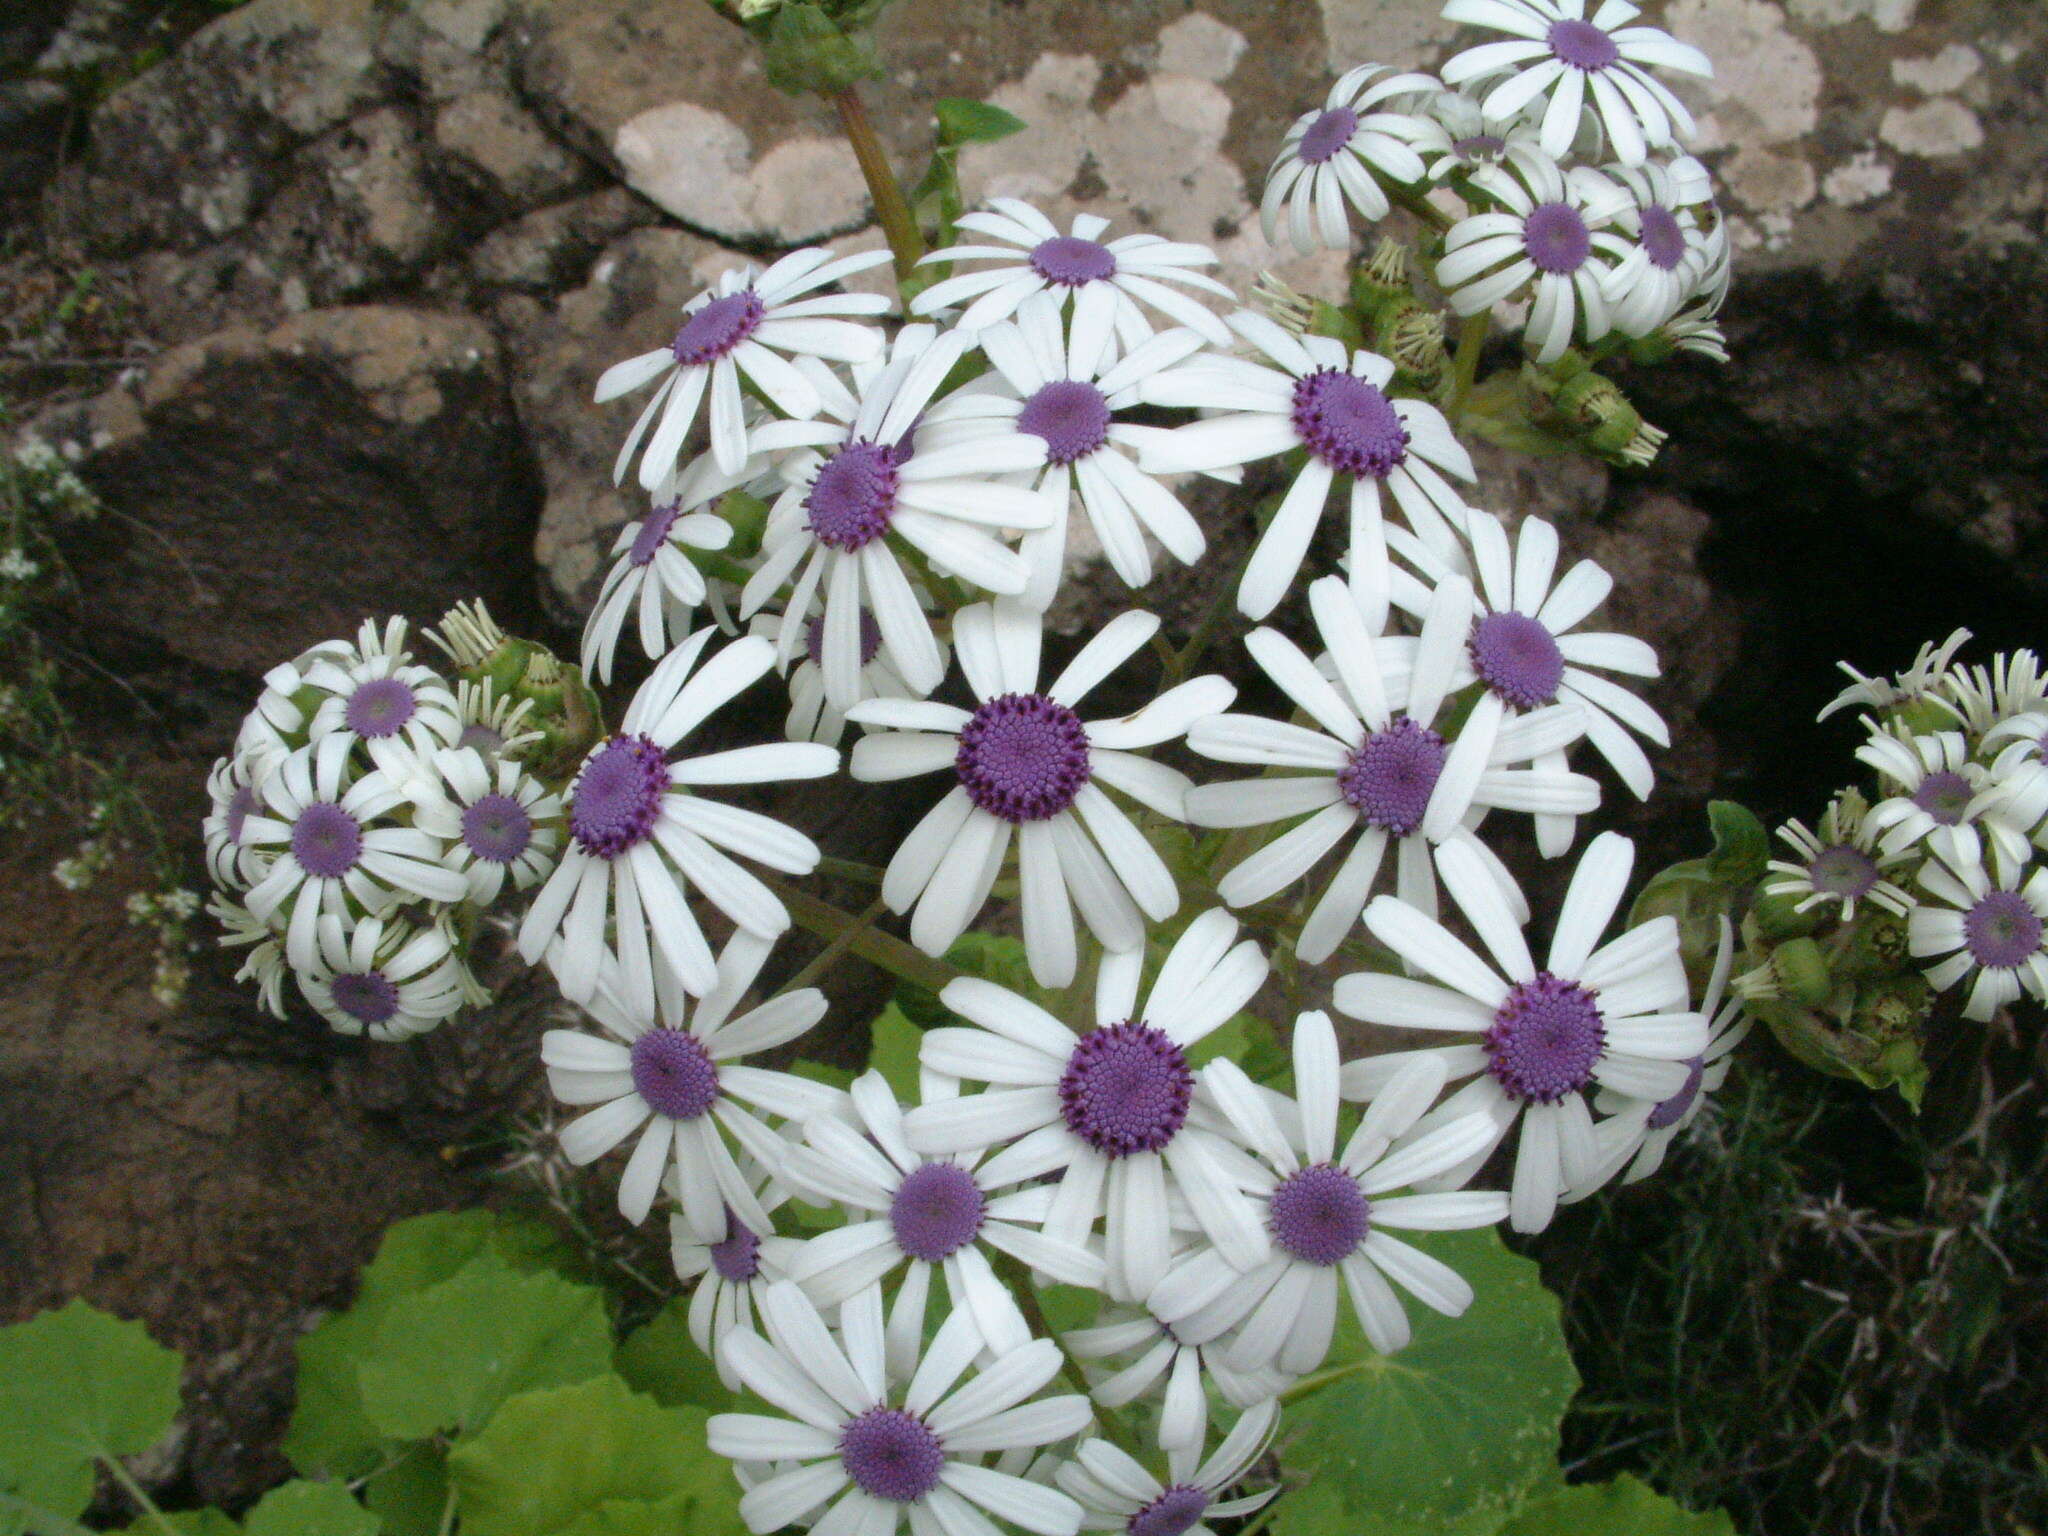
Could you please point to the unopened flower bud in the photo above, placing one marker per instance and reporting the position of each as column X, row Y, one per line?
column 1289, row 310
column 1412, row 334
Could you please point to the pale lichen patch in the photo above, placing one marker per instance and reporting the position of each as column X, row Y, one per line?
column 1933, row 129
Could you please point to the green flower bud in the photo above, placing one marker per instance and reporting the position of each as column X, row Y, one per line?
column 1795, row 971
column 1412, row 334
column 1777, row 918
column 1873, row 945
column 1382, row 278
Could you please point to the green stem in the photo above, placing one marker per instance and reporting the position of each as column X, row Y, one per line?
column 838, row 946
column 1319, row 1380
column 1421, row 207
column 850, row 869
column 135, row 1491
column 1204, row 632
column 871, row 944
column 906, row 243
column 447, row 1511
column 1465, row 364
column 1264, row 1518
column 1017, row 1279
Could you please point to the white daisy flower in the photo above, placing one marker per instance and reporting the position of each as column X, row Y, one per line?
column 640, row 836
column 1114, row 1109
column 746, row 326
column 684, row 1080
column 493, row 726
column 1670, row 248
column 2019, row 742
column 1468, row 141
column 1108, row 280
column 1327, row 1213
column 1925, row 676
column 1617, row 1015
column 1840, row 864
column 1333, row 403
column 892, row 469
column 388, row 979
column 733, row 1272
column 1525, row 646
column 277, row 723
column 1118, row 1493
column 1027, row 763
column 1069, row 398
column 872, row 1450
column 1559, row 54
column 1994, row 931
column 497, row 820
column 1337, row 154
column 653, row 577
column 400, row 711
column 1984, row 698
column 232, row 798
column 337, row 836
column 265, row 963
column 1944, row 800
column 1165, row 1366
column 1637, row 1133
column 1376, row 767
column 1555, row 238
column 812, row 716
column 920, row 1214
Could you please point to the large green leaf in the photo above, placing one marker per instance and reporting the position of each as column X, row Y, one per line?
column 411, row 1494
column 446, row 1357
column 672, row 1516
column 76, row 1387
column 330, row 1434
column 304, row 1508
column 186, row 1522
column 551, row 1458
column 1458, row 1427
column 662, row 1360
column 1623, row 1507
column 893, row 1044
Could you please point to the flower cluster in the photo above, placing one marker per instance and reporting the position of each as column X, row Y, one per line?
column 881, row 517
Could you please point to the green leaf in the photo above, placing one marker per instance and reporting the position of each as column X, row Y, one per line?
column 962, row 121
column 1742, row 845
column 410, row 1495
column 550, row 1457
column 893, row 1045
column 446, row 1357
column 76, row 1387
column 186, row 1522
column 1458, row 1426
column 673, row 1516
column 660, row 1359
column 1623, row 1507
column 303, row 1508
column 805, row 51
column 58, row 1490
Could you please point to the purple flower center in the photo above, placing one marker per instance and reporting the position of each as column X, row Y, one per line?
column 1126, row 1089
column 1672, row 1110
column 326, row 840
column 1663, row 240
column 854, row 496
column 738, row 1257
column 1330, row 132
column 1517, row 658
column 617, row 797
column 1480, row 148
column 1545, row 1039
column 1349, row 424
column 1022, row 757
column 938, row 1210
column 870, row 639
column 891, row 1455
column 497, row 829
column 1320, row 1215
column 1392, row 774
column 1072, row 417
column 488, row 741
column 1842, row 871
column 1071, row 261
column 1945, row 796
column 2002, row 931
column 653, row 533
column 240, row 804
column 674, row 1074
column 380, row 708
column 717, row 328
column 1173, row 1513
column 1556, row 237
column 368, row 996
column 1582, row 45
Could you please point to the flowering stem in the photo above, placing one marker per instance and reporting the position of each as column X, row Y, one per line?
column 837, row 946
column 850, row 869
column 135, row 1491
column 1018, row 1281
column 1465, row 364
column 870, row 943
column 906, row 243
column 1183, row 661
